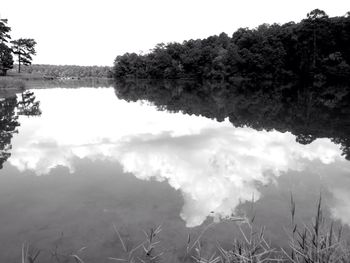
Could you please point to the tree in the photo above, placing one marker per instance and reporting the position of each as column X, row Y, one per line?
column 10, row 109
column 8, row 127
column 6, row 59
column 293, row 50
column 4, row 31
column 24, row 48
column 317, row 13
column 28, row 106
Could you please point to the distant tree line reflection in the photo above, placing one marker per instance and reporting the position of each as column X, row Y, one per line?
column 308, row 112
column 10, row 108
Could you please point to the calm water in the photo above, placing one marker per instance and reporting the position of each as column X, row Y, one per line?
column 87, row 158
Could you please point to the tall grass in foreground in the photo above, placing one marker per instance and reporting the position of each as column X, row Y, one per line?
column 11, row 83
column 144, row 252
column 29, row 255
column 317, row 242
column 252, row 248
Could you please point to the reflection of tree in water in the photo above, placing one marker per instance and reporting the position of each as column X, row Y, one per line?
column 307, row 112
column 28, row 106
column 8, row 125
column 10, row 108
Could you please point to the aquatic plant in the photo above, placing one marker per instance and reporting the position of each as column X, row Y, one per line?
column 29, row 255
column 144, row 252
column 319, row 242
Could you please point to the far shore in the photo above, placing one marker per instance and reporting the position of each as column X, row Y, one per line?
column 38, row 76
column 14, row 83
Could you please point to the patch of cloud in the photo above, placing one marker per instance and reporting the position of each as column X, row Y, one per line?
column 336, row 178
column 221, row 167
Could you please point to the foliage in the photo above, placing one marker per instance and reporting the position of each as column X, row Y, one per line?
column 68, row 71
column 8, row 125
column 4, row 31
column 307, row 111
column 24, row 48
column 313, row 49
column 10, row 109
column 6, row 59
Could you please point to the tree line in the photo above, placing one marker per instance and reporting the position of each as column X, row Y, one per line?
column 314, row 49
column 309, row 112
column 22, row 48
column 68, row 71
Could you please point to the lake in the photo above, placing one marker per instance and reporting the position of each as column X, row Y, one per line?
column 133, row 156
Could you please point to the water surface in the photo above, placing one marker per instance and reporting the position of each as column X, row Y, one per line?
column 90, row 157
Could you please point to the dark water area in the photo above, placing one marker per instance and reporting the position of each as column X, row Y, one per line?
column 77, row 158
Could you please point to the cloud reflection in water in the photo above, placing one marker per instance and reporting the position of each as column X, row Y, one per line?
column 214, row 165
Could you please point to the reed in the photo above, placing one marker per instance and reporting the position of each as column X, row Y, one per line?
column 250, row 247
column 319, row 241
column 145, row 252
column 29, row 255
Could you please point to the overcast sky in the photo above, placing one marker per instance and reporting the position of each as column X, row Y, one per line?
column 91, row 32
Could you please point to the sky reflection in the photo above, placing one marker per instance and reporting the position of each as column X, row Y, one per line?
column 214, row 165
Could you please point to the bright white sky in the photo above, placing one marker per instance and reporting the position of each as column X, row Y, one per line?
column 90, row 32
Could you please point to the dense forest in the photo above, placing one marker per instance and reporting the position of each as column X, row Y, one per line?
column 67, row 71
column 315, row 49
column 308, row 112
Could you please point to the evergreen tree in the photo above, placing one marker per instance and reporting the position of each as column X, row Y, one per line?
column 24, row 48
column 6, row 59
